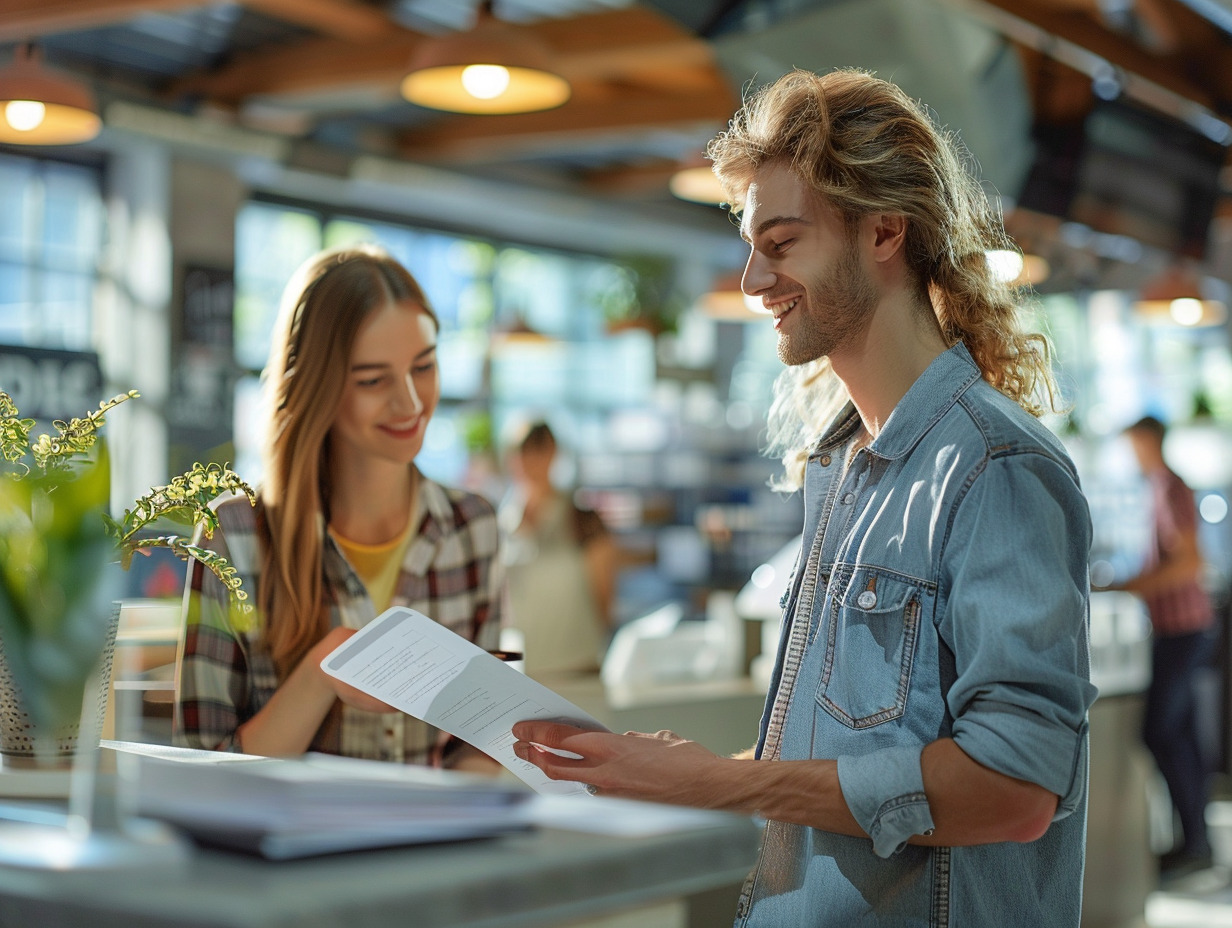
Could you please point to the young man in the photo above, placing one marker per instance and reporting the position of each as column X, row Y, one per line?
column 923, row 755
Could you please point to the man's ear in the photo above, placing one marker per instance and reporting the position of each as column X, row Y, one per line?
column 889, row 234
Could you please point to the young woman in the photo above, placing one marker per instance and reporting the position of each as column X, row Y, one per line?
column 345, row 527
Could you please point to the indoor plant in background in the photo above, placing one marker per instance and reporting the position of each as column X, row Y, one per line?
column 58, row 550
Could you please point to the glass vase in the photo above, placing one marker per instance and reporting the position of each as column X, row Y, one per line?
column 88, row 825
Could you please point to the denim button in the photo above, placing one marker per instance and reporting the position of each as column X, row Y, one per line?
column 849, row 499
column 866, row 600
column 825, row 460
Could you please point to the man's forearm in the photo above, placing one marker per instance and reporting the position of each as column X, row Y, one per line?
column 969, row 803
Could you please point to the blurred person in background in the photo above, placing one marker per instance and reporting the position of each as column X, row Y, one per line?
column 1182, row 623
column 345, row 526
column 561, row 563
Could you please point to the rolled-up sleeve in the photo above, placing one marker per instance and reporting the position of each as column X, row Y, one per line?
column 1016, row 590
column 885, row 792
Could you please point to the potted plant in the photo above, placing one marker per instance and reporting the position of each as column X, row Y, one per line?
column 57, row 546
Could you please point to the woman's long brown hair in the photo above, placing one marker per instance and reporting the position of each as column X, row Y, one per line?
column 323, row 307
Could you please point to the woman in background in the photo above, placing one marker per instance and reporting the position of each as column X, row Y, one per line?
column 561, row 564
column 345, row 527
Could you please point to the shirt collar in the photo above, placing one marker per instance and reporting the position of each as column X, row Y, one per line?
column 929, row 398
column 436, row 512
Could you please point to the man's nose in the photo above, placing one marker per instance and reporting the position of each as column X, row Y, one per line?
column 757, row 278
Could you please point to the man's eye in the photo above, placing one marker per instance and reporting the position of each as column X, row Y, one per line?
column 781, row 246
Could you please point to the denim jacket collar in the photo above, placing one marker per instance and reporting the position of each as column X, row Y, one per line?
column 934, row 392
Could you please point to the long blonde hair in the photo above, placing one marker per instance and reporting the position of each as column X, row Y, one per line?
column 326, row 301
column 865, row 147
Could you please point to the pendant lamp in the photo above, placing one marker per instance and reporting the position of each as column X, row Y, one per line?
column 1175, row 297
column 698, row 184
column 725, row 300
column 40, row 106
column 491, row 68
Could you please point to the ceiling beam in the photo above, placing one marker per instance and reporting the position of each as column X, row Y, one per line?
column 1179, row 74
column 347, row 19
column 474, row 140
column 330, row 64
column 632, row 180
column 631, row 26
column 310, row 66
column 32, row 19
column 610, row 45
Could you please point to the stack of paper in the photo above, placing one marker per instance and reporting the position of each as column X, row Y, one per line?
column 283, row 808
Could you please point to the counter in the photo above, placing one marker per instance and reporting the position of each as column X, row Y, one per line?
column 541, row 878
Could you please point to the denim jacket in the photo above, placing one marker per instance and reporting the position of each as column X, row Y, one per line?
column 941, row 591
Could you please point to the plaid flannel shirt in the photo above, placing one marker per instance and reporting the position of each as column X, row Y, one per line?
column 450, row 572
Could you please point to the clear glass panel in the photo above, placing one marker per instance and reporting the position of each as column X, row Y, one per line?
column 63, row 319
column 462, row 357
column 20, row 194
column 16, row 308
column 72, row 218
column 534, row 290
column 271, row 242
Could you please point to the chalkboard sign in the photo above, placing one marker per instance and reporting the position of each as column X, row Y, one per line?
column 209, row 302
column 47, row 384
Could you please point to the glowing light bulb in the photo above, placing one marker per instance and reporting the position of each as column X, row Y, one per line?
column 1186, row 311
column 24, row 115
column 485, row 81
column 1005, row 265
column 1213, row 508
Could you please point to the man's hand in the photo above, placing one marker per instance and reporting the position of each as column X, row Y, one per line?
column 662, row 767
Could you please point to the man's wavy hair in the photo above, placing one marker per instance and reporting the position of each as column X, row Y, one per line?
column 865, row 147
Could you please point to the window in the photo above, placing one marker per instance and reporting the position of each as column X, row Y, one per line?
column 51, row 227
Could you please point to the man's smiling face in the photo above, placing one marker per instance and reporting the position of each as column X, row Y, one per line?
column 804, row 265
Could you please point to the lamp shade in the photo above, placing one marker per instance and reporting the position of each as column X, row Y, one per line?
column 492, row 68
column 1175, row 297
column 726, row 301
column 39, row 106
column 698, row 184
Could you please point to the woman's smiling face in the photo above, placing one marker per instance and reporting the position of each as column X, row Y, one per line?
column 392, row 387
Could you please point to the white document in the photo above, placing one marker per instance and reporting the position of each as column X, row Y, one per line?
column 412, row 663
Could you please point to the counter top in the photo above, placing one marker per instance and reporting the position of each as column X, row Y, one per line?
column 538, row 878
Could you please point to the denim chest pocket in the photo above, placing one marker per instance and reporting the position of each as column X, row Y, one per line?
column 870, row 645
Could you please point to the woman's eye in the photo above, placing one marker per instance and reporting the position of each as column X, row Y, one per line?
column 427, row 368
column 369, row 382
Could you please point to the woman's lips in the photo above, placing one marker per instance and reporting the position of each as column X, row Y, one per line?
column 408, row 431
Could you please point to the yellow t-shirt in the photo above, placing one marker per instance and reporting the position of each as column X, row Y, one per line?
column 377, row 565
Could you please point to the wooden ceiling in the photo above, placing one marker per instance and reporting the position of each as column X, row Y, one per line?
column 647, row 88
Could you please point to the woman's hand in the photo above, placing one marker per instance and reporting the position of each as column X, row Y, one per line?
column 289, row 721
column 350, row 695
